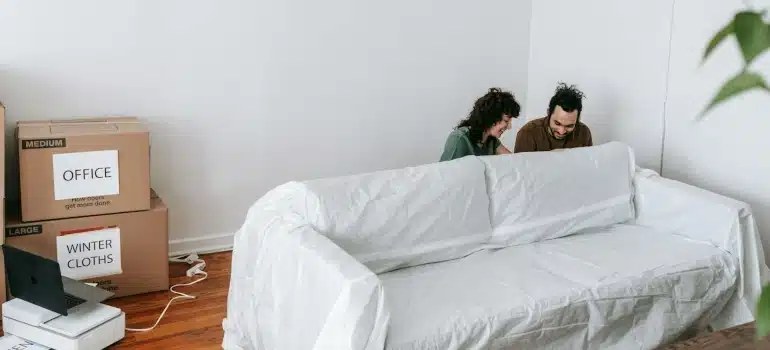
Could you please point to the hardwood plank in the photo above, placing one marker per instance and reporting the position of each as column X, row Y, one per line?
column 188, row 323
column 736, row 338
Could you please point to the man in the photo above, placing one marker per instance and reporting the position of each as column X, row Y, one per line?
column 560, row 129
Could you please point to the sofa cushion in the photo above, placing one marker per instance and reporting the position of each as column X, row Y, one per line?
column 405, row 217
column 625, row 287
column 545, row 195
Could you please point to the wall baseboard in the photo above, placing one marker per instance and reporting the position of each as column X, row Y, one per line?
column 205, row 244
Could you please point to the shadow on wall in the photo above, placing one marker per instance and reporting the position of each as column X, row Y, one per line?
column 20, row 93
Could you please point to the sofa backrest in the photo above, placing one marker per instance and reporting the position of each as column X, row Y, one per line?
column 405, row 217
column 546, row 195
column 442, row 211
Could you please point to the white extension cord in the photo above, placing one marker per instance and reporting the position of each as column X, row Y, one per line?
column 193, row 271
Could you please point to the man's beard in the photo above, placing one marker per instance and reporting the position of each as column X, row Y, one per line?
column 553, row 134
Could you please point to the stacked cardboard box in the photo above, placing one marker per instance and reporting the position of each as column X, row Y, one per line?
column 3, row 296
column 86, row 202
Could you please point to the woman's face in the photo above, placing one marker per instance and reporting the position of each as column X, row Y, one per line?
column 500, row 127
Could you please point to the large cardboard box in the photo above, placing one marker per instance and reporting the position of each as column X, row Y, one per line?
column 83, row 167
column 2, row 154
column 3, row 296
column 3, row 287
column 85, row 248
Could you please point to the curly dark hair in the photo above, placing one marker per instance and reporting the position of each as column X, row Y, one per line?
column 488, row 110
column 568, row 97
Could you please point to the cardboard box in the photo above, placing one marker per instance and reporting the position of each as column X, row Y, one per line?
column 3, row 286
column 2, row 187
column 83, row 167
column 2, row 154
column 140, row 247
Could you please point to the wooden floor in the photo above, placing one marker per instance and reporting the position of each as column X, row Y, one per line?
column 736, row 338
column 188, row 323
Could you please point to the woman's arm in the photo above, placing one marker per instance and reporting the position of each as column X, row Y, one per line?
column 503, row 150
column 455, row 147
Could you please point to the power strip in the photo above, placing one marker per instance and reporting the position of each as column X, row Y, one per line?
column 197, row 269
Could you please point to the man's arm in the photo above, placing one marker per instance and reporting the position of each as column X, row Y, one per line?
column 588, row 140
column 524, row 142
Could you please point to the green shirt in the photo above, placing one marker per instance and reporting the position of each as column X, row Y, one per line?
column 458, row 145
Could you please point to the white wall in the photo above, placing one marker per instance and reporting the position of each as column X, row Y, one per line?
column 639, row 63
column 726, row 152
column 617, row 53
column 244, row 95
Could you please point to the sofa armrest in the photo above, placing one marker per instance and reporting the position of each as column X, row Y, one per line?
column 292, row 288
column 671, row 206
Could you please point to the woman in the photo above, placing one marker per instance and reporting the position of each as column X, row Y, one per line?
column 480, row 133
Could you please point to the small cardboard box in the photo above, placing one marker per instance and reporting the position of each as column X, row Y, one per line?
column 83, row 167
column 132, row 261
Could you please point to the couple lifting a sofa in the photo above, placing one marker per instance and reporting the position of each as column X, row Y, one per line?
column 480, row 133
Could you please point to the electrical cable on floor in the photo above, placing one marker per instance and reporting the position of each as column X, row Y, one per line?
column 193, row 271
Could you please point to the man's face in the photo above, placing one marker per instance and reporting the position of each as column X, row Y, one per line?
column 500, row 127
column 562, row 123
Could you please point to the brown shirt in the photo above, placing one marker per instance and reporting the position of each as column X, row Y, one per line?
column 534, row 137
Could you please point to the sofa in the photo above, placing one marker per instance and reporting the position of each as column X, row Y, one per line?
column 579, row 249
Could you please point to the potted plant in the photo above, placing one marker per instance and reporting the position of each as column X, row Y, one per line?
column 753, row 35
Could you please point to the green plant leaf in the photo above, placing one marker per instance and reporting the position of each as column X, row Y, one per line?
column 737, row 85
column 753, row 34
column 720, row 36
column 763, row 313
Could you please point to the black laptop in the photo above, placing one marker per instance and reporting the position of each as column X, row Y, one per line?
column 38, row 281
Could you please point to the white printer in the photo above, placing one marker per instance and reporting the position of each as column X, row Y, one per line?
column 12, row 342
column 55, row 311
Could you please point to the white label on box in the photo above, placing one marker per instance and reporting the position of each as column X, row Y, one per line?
column 89, row 254
column 85, row 174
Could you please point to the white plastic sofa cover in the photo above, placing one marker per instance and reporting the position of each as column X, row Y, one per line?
column 622, row 287
column 678, row 208
column 536, row 196
column 405, row 217
column 298, row 280
column 378, row 221
column 292, row 288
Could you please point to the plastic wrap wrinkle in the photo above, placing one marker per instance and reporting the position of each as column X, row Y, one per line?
column 277, row 259
column 531, row 199
column 523, row 306
column 584, row 210
column 710, row 217
column 394, row 213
